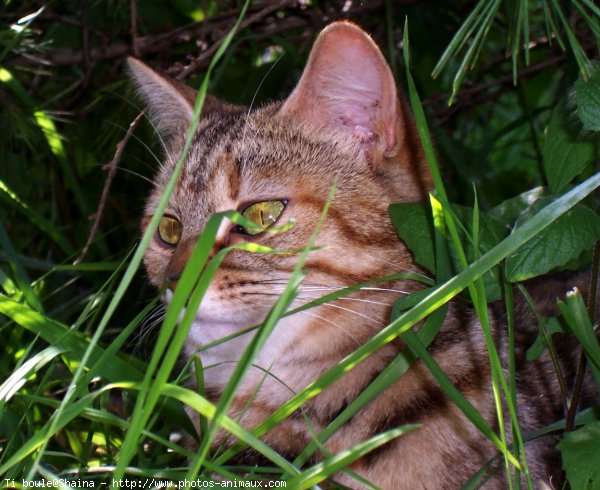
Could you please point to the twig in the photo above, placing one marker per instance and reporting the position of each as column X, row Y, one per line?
column 133, row 30
column 164, row 41
column 252, row 19
column 112, row 169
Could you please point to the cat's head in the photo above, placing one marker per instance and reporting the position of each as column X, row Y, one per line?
column 277, row 163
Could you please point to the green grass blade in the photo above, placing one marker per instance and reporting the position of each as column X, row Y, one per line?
column 208, row 410
column 41, row 437
column 551, row 27
column 577, row 49
column 19, row 376
column 8, row 196
column 460, row 38
column 577, row 317
column 8, row 285
column 471, row 54
column 106, row 418
column 476, row 289
column 71, row 341
column 322, row 471
column 591, row 21
column 22, row 280
column 455, row 395
column 54, row 141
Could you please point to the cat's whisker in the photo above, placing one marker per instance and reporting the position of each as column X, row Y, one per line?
column 354, row 312
column 332, row 323
column 249, row 111
column 148, row 325
column 397, row 266
column 358, row 300
column 154, row 127
column 299, row 302
column 366, row 288
column 143, row 143
column 344, row 298
column 331, row 305
column 129, row 171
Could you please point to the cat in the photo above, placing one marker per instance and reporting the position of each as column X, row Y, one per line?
column 346, row 120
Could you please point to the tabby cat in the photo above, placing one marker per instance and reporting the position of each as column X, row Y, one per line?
column 276, row 163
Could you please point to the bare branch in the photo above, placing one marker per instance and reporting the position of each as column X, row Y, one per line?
column 111, row 167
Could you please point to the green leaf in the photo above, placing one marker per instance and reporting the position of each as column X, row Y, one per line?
column 414, row 226
column 537, row 348
column 555, row 246
column 508, row 211
column 580, row 451
column 588, row 99
column 568, row 148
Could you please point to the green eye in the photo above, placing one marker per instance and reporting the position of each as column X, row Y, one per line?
column 169, row 230
column 263, row 214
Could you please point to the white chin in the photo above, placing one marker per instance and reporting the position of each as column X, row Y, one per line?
column 213, row 322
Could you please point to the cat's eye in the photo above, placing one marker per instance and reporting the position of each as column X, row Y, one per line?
column 263, row 214
column 169, row 230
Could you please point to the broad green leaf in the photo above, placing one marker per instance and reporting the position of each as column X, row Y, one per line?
column 508, row 211
column 568, row 149
column 580, row 451
column 555, row 246
column 537, row 348
column 414, row 226
column 588, row 99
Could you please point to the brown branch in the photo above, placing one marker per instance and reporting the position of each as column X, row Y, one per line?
column 111, row 167
column 133, row 29
column 164, row 41
column 252, row 19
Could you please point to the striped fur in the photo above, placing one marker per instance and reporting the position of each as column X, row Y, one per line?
column 353, row 129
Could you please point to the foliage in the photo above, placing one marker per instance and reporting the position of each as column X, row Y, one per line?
column 76, row 393
column 581, row 452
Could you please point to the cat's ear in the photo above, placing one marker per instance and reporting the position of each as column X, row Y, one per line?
column 348, row 84
column 170, row 103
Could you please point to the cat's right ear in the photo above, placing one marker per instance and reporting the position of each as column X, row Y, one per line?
column 170, row 103
column 347, row 85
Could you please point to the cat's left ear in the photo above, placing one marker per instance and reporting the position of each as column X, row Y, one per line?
column 170, row 103
column 348, row 84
